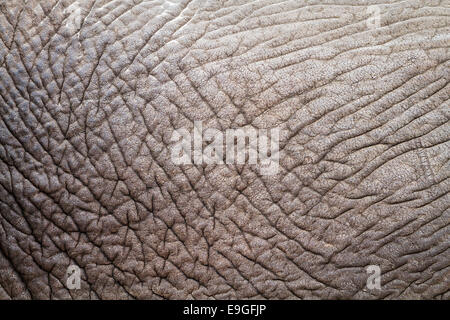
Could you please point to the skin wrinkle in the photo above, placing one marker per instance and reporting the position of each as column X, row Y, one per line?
column 91, row 91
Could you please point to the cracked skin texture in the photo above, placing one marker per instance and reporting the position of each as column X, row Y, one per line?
column 88, row 102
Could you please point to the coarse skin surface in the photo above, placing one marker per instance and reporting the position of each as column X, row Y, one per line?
column 88, row 104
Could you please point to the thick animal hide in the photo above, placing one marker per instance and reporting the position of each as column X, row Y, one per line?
column 91, row 92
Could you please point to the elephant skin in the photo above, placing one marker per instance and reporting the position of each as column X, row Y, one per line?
column 92, row 90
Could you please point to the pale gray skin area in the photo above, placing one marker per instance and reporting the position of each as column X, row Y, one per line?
column 88, row 105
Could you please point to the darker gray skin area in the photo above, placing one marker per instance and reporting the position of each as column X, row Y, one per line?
column 91, row 91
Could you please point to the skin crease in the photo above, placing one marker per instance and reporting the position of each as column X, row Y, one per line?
column 91, row 91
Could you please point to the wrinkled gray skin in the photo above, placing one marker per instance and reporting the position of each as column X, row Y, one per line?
column 90, row 95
